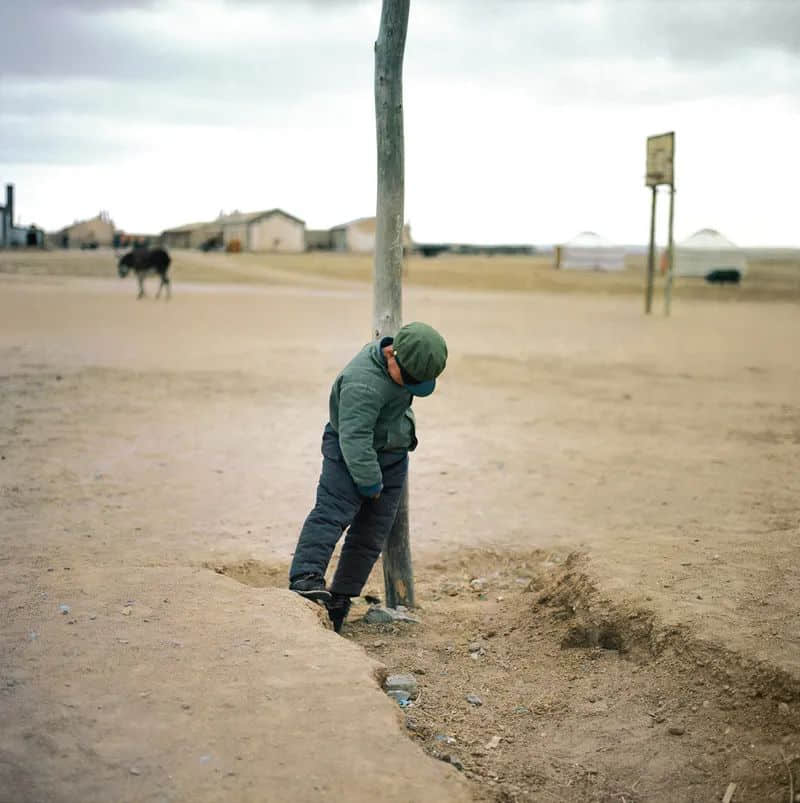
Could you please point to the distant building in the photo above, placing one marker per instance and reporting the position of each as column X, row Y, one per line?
column 99, row 231
column 318, row 240
column 12, row 236
column 193, row 235
column 7, row 218
column 127, row 239
column 706, row 251
column 272, row 230
column 589, row 251
column 359, row 236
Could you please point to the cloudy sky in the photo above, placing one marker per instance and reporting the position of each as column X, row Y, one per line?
column 525, row 121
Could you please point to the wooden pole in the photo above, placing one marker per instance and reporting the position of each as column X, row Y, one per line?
column 670, row 253
column 388, row 272
column 651, row 257
column 398, row 573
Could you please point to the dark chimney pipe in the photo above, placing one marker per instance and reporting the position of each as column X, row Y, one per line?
column 10, row 204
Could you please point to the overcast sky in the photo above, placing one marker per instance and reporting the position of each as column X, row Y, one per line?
column 525, row 121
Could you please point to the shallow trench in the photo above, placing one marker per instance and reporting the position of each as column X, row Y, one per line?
column 582, row 698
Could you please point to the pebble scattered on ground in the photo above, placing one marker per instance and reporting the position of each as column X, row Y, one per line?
column 404, row 683
column 380, row 615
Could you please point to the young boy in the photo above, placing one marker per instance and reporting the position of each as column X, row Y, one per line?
column 365, row 449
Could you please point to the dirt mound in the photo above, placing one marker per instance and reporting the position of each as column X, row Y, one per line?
column 538, row 687
column 593, row 620
column 251, row 572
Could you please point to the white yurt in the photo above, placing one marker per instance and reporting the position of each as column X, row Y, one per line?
column 707, row 250
column 590, row 251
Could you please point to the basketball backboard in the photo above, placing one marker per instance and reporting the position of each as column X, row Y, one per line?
column 660, row 159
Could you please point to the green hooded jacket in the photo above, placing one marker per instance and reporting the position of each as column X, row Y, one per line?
column 371, row 413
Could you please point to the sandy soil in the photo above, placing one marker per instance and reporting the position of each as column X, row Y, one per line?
column 663, row 455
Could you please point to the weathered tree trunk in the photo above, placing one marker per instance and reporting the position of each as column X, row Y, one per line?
column 387, row 284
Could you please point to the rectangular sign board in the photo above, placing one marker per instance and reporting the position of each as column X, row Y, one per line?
column 660, row 159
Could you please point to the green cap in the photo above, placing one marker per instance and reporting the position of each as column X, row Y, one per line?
column 422, row 353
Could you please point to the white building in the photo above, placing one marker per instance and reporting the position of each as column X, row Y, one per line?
column 589, row 251
column 359, row 235
column 272, row 230
column 707, row 250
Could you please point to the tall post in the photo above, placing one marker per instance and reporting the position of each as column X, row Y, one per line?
column 670, row 253
column 651, row 257
column 388, row 273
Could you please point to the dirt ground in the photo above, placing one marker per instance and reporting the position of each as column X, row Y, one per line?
column 623, row 491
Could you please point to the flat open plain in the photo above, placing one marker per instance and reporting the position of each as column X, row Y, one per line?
column 628, row 488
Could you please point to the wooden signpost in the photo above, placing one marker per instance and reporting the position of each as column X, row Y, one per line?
column 388, row 272
column 660, row 170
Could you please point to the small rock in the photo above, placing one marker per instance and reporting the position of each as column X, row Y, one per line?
column 520, row 709
column 442, row 737
column 479, row 584
column 411, row 724
column 377, row 644
column 676, row 730
column 380, row 615
column 455, row 762
column 405, row 683
column 135, row 771
column 783, row 708
column 65, row 609
column 185, row 706
column 475, row 646
column 493, row 743
column 126, row 611
column 473, row 699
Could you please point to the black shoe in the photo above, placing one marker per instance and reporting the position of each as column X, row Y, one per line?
column 338, row 608
column 311, row 586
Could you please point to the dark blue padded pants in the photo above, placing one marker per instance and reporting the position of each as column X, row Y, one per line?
column 339, row 506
